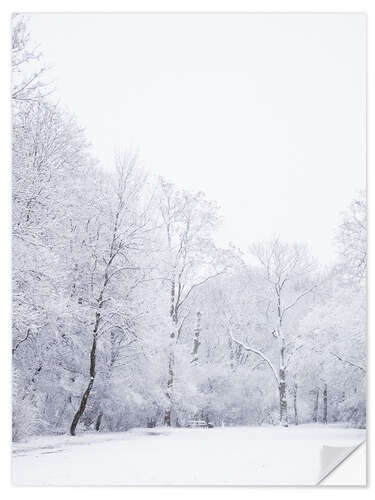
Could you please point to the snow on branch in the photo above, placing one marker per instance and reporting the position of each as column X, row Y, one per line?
column 306, row 292
column 200, row 283
column 258, row 353
column 347, row 361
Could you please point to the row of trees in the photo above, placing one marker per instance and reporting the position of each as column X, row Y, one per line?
column 125, row 312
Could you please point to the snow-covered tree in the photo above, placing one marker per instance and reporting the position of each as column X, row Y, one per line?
column 351, row 239
column 287, row 274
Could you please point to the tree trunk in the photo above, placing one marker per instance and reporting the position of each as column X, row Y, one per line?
column 295, row 403
column 325, row 404
column 196, row 345
column 173, row 338
column 98, row 422
column 231, row 353
column 86, row 394
column 167, row 416
column 282, row 384
column 283, row 402
column 316, row 407
column 168, row 410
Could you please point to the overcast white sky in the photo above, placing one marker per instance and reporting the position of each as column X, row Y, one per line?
column 265, row 113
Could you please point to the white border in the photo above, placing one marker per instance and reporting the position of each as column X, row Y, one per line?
column 6, row 8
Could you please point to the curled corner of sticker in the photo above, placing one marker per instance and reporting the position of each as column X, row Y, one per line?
column 343, row 465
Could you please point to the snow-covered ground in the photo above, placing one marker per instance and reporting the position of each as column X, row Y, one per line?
column 219, row 456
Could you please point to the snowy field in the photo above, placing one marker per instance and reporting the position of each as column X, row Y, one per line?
column 219, row 456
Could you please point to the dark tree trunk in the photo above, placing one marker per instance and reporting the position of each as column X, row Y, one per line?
column 168, row 410
column 167, row 417
column 98, row 422
column 325, row 404
column 282, row 386
column 231, row 353
column 283, row 401
column 172, row 336
column 295, row 392
column 316, row 407
column 196, row 345
column 32, row 389
column 86, row 394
